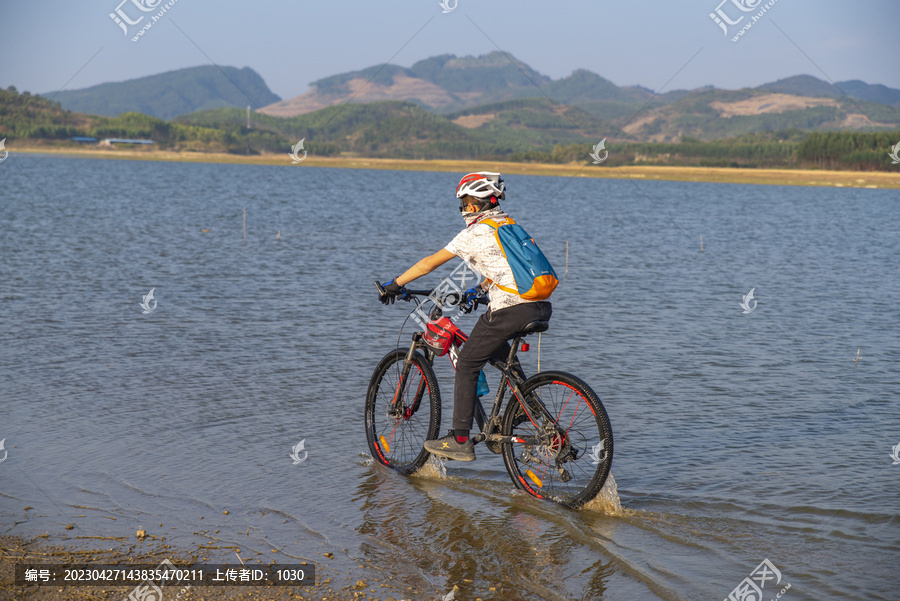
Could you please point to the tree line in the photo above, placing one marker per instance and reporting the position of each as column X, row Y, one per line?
column 402, row 130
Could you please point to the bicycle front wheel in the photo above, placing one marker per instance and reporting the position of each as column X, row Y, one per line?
column 566, row 459
column 397, row 431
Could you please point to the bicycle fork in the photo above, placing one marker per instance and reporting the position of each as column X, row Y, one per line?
column 397, row 409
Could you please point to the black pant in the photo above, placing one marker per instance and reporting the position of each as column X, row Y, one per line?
column 488, row 340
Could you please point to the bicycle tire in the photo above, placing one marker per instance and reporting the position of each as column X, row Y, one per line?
column 397, row 442
column 585, row 451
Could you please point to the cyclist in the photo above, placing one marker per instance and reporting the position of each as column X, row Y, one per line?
column 479, row 197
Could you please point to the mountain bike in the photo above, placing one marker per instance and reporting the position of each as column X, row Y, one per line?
column 555, row 435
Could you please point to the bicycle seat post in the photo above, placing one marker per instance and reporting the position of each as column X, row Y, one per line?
column 513, row 349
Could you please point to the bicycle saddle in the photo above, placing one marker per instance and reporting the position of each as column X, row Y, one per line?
column 534, row 327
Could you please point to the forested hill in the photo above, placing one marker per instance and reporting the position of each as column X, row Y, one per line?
column 520, row 130
column 448, row 83
column 807, row 85
column 170, row 94
column 501, row 99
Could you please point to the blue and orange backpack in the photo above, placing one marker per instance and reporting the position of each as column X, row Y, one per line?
column 535, row 278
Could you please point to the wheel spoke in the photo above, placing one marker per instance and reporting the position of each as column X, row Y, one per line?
column 396, row 433
column 560, row 458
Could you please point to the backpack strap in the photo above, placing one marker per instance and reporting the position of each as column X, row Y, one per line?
column 495, row 225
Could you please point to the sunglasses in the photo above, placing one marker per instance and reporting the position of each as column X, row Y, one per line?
column 465, row 203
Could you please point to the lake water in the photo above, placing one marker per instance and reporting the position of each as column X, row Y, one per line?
column 739, row 437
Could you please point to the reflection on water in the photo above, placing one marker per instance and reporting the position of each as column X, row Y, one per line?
column 739, row 437
column 507, row 548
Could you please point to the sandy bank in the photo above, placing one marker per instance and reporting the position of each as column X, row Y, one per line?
column 783, row 177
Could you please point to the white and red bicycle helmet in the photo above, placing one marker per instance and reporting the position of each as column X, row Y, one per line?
column 484, row 185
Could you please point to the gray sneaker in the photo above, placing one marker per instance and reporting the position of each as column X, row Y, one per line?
column 448, row 448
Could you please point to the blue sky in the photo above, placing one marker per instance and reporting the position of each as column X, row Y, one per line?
column 48, row 45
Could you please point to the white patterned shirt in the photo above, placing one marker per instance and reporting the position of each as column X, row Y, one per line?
column 477, row 246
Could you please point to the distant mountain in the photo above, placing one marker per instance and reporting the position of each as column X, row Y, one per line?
column 801, row 85
column 448, row 105
column 375, row 84
column 487, row 74
column 871, row 92
column 471, row 90
column 518, row 130
column 447, row 83
column 715, row 114
column 584, row 86
column 170, row 94
column 807, row 85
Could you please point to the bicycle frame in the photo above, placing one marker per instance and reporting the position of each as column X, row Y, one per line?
column 488, row 425
column 541, row 432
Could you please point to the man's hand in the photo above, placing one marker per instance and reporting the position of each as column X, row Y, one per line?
column 392, row 290
column 471, row 298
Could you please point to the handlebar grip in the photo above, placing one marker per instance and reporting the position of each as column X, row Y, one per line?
column 409, row 292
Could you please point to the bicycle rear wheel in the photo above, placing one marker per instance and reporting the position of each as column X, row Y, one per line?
column 566, row 460
column 396, row 437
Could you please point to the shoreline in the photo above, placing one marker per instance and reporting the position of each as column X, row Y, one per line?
column 782, row 177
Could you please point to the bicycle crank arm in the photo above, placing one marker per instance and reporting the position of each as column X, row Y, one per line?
column 499, row 438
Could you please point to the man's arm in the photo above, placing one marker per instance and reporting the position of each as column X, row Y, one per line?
column 425, row 266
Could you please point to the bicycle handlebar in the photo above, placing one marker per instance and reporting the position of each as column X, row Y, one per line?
column 453, row 298
column 381, row 291
column 418, row 292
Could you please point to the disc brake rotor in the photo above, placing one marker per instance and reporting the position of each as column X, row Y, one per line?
column 553, row 446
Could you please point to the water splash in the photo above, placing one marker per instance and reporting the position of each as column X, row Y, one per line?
column 607, row 500
column 433, row 468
